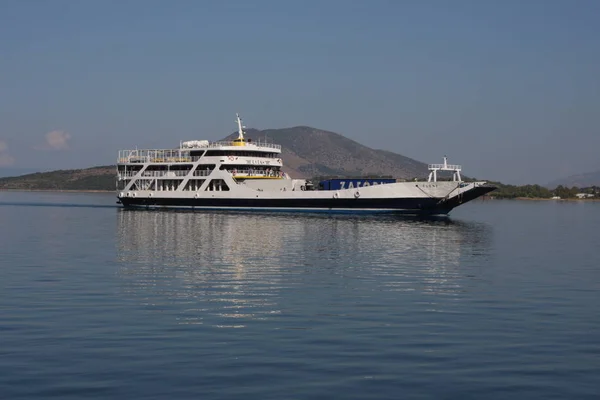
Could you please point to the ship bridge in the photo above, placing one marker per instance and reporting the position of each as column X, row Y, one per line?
column 434, row 168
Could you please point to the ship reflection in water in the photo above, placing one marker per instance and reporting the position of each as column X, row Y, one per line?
column 226, row 270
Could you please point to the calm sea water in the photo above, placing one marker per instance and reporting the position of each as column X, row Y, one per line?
column 500, row 301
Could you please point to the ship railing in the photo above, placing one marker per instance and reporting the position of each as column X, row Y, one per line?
column 254, row 173
column 154, row 156
column 153, row 174
column 450, row 167
column 228, row 143
column 181, row 154
column 158, row 174
column 169, row 159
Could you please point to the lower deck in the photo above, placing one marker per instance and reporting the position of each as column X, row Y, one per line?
column 407, row 205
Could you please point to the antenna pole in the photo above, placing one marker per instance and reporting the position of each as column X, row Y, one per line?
column 240, row 127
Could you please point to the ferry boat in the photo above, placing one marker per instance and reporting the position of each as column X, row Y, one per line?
column 243, row 174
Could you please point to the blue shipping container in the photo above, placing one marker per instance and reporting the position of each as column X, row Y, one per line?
column 339, row 184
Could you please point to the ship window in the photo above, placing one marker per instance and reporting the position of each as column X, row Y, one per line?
column 197, row 153
column 231, row 167
column 169, row 167
column 180, row 167
column 129, row 168
column 162, row 167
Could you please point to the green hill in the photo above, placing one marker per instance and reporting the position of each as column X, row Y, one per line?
column 96, row 178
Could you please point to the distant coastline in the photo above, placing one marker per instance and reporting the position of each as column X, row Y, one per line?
column 550, row 199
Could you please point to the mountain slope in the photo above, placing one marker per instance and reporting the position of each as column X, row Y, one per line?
column 309, row 152
column 580, row 180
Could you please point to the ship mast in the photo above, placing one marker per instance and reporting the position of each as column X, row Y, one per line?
column 240, row 127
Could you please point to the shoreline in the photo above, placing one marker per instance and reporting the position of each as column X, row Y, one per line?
column 545, row 199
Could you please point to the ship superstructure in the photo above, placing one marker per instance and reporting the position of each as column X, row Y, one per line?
column 242, row 174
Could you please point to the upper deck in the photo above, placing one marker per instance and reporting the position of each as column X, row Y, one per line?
column 192, row 154
column 193, row 150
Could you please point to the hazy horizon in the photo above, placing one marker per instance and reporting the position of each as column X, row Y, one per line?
column 510, row 90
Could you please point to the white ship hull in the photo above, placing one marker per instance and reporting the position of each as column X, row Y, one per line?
column 404, row 197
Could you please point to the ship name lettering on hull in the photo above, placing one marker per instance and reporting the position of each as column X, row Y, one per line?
column 358, row 184
column 259, row 162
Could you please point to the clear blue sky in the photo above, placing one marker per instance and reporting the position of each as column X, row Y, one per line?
column 509, row 89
